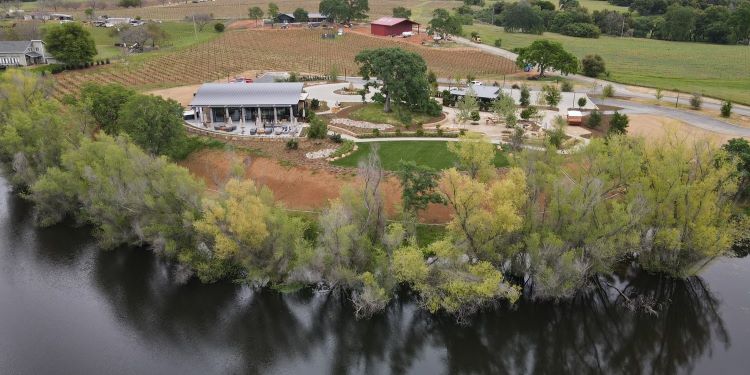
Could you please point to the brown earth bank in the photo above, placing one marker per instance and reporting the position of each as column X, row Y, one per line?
column 298, row 187
column 653, row 127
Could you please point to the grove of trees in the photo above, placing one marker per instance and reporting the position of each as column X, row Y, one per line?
column 544, row 229
column 70, row 43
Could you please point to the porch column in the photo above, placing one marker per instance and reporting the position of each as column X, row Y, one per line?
column 226, row 115
column 291, row 115
column 304, row 106
column 275, row 116
column 257, row 118
column 242, row 116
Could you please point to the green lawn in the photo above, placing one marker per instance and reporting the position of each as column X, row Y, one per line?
column 434, row 154
column 373, row 112
column 719, row 71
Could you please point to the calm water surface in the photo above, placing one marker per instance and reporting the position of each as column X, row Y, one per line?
column 68, row 308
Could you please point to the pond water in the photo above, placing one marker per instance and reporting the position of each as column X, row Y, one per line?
column 68, row 308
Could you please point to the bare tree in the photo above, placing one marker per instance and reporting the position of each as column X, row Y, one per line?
column 201, row 20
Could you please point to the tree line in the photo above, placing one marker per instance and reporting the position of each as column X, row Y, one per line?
column 542, row 230
column 723, row 22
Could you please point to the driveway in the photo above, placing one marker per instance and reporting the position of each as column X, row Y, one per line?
column 326, row 93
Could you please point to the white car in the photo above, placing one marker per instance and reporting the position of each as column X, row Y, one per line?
column 476, row 83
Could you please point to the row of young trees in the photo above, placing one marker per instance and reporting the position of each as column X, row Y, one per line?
column 544, row 228
column 714, row 22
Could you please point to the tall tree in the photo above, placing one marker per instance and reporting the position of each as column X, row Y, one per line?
column 418, row 184
column 300, row 15
column 545, row 54
column 344, row 11
column 402, row 76
column 273, row 12
column 153, row 123
column 70, row 43
column 401, row 12
column 443, row 23
column 522, row 17
column 104, row 103
column 475, row 155
column 255, row 13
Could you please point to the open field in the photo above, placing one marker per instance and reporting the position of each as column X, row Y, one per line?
column 433, row 154
column 293, row 50
column 718, row 71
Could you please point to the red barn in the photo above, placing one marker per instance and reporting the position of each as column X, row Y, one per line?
column 391, row 26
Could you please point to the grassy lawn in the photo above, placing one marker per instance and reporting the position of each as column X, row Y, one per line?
column 434, row 154
column 373, row 112
column 719, row 71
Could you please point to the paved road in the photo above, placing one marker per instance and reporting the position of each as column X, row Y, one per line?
column 699, row 121
column 620, row 89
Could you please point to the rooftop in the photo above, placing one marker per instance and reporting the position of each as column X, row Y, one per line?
column 480, row 91
column 15, row 46
column 390, row 21
column 248, row 94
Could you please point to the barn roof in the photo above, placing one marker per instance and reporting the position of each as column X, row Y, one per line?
column 390, row 21
column 480, row 91
column 14, row 46
column 252, row 94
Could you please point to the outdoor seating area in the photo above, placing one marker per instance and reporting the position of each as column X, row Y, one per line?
column 249, row 109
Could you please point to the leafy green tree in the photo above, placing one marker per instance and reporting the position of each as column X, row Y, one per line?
column 551, row 95
column 679, row 23
column 418, row 184
column 219, row 27
column 401, row 12
column 273, row 12
column 547, row 54
column 505, row 108
column 402, row 76
column 726, row 109
column 70, row 43
column 466, row 106
column 475, row 155
column 255, row 13
column 569, row 4
column 344, row 11
column 522, row 17
column 245, row 225
column 443, row 23
column 696, row 101
column 153, row 123
column 318, row 128
column 300, row 15
column 740, row 21
column 618, row 124
column 104, row 103
column 738, row 149
column 556, row 136
column 525, row 96
column 593, row 66
column 595, row 119
column 582, row 102
column 128, row 197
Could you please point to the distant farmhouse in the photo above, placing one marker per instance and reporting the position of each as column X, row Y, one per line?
column 311, row 17
column 392, row 26
column 24, row 53
column 45, row 16
column 483, row 93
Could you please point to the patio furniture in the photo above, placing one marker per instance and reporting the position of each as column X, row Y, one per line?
column 268, row 131
column 253, row 131
column 277, row 130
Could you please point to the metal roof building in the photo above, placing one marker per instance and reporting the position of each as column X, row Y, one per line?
column 391, row 26
column 240, row 103
column 480, row 91
column 23, row 53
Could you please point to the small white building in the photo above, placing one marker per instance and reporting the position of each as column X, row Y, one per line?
column 24, row 53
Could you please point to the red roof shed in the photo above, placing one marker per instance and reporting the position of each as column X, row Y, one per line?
column 391, row 26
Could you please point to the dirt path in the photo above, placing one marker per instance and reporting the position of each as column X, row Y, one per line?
column 298, row 187
column 653, row 127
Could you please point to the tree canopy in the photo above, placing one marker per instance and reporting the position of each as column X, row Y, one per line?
column 443, row 23
column 153, row 123
column 70, row 43
column 344, row 11
column 403, row 76
column 546, row 54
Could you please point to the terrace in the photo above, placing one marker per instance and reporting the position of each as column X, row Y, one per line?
column 255, row 109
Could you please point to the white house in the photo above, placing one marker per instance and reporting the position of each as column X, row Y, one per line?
column 24, row 53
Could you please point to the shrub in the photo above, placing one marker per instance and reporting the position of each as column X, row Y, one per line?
column 582, row 102
column 566, row 86
column 378, row 98
column 618, row 124
column 498, row 42
column 726, row 109
column 595, row 119
column 420, row 133
column 581, row 30
column 696, row 101
column 336, row 138
column 525, row 96
column 314, row 104
column 593, row 66
column 404, row 116
column 292, row 144
column 318, row 128
column 608, row 91
column 219, row 27
column 515, row 86
column 448, row 99
column 376, row 132
column 474, row 116
column 527, row 113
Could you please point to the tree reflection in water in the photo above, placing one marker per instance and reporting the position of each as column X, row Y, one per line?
column 594, row 332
